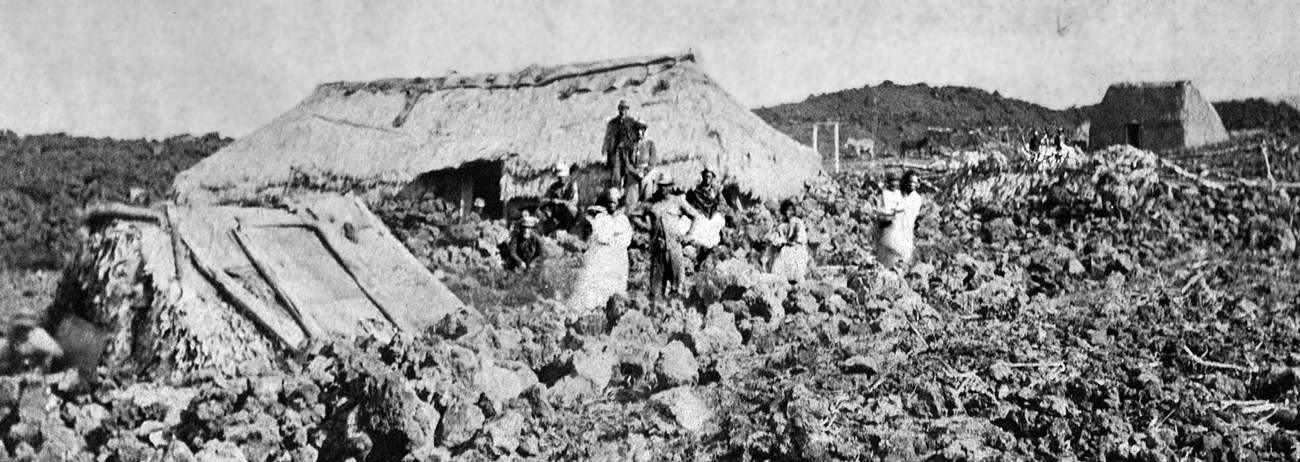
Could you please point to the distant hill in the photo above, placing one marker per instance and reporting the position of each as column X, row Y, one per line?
column 47, row 179
column 896, row 112
column 1257, row 113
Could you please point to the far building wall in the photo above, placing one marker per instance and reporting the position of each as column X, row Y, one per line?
column 1156, row 117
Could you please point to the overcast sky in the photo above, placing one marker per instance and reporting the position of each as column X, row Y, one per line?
column 155, row 69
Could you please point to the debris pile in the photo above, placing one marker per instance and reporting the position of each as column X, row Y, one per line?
column 1099, row 309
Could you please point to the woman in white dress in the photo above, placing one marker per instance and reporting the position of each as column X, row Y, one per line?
column 605, row 264
column 791, row 238
column 898, row 239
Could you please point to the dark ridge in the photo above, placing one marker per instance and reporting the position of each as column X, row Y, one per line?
column 47, row 179
column 897, row 112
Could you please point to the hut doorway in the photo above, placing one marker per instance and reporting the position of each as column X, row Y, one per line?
column 460, row 186
column 1133, row 135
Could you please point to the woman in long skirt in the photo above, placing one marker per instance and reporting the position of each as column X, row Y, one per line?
column 605, row 264
column 791, row 238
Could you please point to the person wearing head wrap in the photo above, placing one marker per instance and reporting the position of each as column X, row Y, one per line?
column 524, row 249
column 665, row 211
column 706, row 196
column 622, row 134
column 705, row 233
column 605, row 263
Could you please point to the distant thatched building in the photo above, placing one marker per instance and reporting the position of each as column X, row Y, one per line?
column 497, row 136
column 1155, row 116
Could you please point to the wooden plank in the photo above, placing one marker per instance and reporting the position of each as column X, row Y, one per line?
column 262, row 262
column 283, row 327
column 178, row 250
column 333, row 243
column 310, row 274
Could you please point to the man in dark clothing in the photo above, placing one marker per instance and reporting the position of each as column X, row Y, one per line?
column 561, row 201
column 621, row 136
column 524, row 249
column 665, row 210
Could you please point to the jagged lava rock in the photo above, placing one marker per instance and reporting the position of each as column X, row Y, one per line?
column 677, row 365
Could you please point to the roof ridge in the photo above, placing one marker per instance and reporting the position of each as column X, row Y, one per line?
column 533, row 75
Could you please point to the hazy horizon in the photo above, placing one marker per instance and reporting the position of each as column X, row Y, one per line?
column 139, row 69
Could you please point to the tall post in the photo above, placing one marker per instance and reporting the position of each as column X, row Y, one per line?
column 837, row 147
column 819, row 153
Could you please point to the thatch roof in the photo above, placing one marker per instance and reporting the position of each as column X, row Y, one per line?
column 384, row 133
column 1172, row 115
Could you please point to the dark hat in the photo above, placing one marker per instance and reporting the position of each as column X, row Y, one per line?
column 622, row 104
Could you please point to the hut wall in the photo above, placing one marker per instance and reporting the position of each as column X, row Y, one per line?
column 1166, row 116
column 158, row 322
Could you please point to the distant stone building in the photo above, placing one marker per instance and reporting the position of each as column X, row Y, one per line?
column 1155, row 116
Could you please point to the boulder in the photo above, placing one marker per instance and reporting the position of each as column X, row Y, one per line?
column 220, row 451
column 498, row 384
column 179, row 452
column 595, row 363
column 635, row 326
column 719, row 332
column 690, row 411
column 766, row 297
column 801, row 301
column 569, row 391
column 461, row 422
column 424, row 423
column 676, row 365
column 504, row 432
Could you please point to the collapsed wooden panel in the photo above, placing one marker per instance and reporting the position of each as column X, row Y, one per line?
column 310, row 278
column 327, row 267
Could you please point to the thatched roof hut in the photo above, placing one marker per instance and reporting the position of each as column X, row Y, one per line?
column 1155, row 116
column 380, row 136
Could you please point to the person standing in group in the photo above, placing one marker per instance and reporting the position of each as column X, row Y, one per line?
column 889, row 203
column 622, row 134
column 665, row 211
column 897, row 240
column 605, row 264
column 790, row 239
column 705, row 233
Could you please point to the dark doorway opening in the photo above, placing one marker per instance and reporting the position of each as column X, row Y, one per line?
column 1133, row 135
column 480, row 179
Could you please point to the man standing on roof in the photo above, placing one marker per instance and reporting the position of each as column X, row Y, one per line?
column 621, row 136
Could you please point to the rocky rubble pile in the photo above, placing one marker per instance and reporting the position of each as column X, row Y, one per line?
column 1095, row 310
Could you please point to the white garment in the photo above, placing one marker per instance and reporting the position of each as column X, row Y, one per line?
column 707, row 232
column 792, row 259
column 891, row 201
column 605, row 264
column 898, row 240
